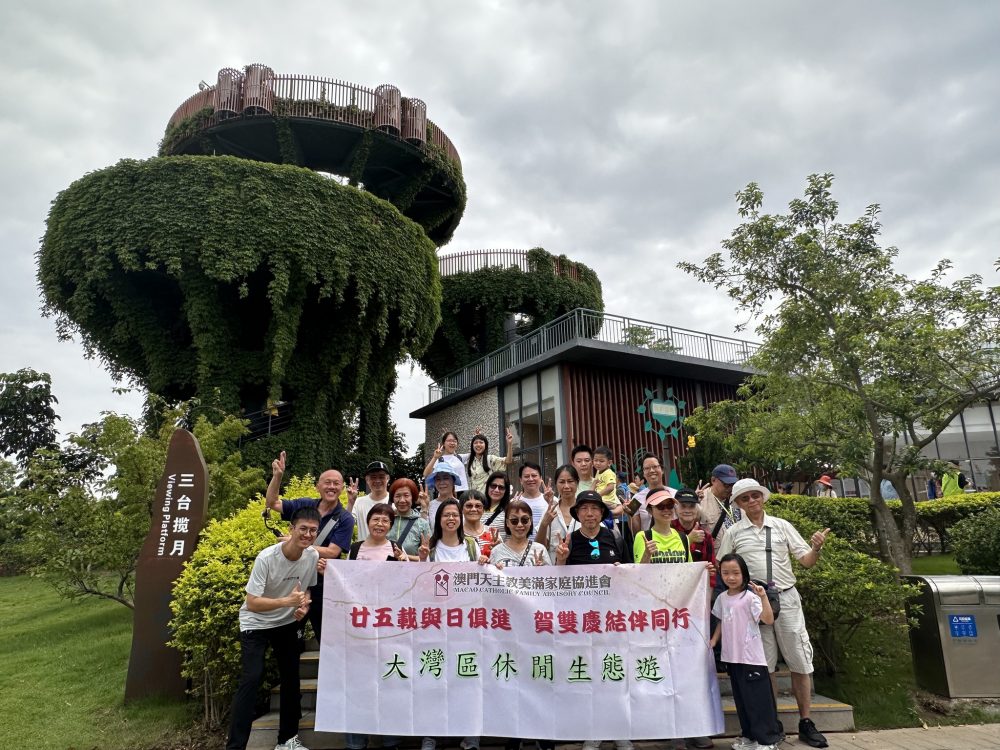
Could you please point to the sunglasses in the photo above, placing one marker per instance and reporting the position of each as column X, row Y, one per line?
column 519, row 520
column 500, row 487
column 665, row 505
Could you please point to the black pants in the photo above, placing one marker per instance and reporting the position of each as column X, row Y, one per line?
column 755, row 703
column 253, row 647
column 315, row 615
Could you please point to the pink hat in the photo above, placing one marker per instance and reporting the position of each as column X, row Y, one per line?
column 825, row 479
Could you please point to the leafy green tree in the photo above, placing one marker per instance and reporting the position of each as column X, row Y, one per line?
column 83, row 522
column 855, row 354
column 27, row 416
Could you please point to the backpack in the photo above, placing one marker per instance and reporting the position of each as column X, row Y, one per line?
column 684, row 541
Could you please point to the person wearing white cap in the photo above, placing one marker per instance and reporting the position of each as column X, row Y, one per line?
column 750, row 538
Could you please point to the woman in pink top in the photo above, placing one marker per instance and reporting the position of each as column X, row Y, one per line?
column 739, row 610
column 377, row 546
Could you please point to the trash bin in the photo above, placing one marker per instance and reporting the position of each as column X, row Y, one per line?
column 957, row 638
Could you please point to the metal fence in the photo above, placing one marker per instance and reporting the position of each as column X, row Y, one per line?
column 257, row 90
column 470, row 261
column 594, row 326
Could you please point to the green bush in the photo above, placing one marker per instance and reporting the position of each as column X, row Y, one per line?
column 844, row 591
column 849, row 518
column 976, row 542
column 206, row 604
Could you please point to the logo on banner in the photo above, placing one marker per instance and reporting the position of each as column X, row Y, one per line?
column 441, row 583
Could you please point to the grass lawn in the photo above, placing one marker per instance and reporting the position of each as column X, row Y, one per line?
column 63, row 677
column 936, row 565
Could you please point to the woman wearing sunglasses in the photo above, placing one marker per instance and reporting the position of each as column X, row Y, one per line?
column 517, row 551
column 661, row 542
column 593, row 542
column 498, row 493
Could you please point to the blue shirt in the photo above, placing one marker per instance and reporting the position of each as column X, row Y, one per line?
column 342, row 532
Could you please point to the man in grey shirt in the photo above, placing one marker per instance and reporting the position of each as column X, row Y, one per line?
column 277, row 598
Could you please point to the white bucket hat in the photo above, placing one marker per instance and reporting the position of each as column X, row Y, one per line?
column 748, row 485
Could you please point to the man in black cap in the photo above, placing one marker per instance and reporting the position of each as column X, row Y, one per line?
column 717, row 511
column 377, row 482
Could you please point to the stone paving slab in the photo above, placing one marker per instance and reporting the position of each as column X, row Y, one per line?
column 971, row 737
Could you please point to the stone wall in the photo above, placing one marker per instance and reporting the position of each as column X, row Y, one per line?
column 481, row 410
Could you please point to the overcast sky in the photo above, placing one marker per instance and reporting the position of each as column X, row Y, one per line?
column 614, row 132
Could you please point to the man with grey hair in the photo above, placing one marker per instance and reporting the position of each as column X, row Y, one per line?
column 768, row 545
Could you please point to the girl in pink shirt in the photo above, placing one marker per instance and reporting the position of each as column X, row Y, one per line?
column 740, row 609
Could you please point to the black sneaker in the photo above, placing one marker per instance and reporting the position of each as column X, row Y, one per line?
column 809, row 734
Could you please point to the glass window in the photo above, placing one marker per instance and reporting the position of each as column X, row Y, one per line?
column 551, row 413
column 512, row 411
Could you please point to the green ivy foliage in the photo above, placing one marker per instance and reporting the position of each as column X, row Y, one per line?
column 843, row 592
column 247, row 283
column 976, row 542
column 475, row 307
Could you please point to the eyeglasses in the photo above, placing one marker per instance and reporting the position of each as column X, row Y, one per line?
column 595, row 550
column 310, row 531
column 498, row 487
column 519, row 520
column 453, row 516
column 473, row 506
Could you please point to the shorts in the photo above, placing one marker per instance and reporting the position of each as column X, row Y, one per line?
column 788, row 635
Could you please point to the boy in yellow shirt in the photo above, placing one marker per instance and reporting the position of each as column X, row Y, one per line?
column 605, row 480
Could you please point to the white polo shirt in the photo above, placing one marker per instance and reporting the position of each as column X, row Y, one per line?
column 750, row 543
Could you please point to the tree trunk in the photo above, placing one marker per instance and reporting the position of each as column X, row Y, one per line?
column 897, row 544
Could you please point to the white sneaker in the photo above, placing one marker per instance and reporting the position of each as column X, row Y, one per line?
column 742, row 743
column 767, row 747
column 592, row 745
column 292, row 743
column 428, row 743
column 624, row 745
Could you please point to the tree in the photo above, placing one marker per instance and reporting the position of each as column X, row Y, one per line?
column 855, row 355
column 27, row 417
column 741, row 432
column 83, row 522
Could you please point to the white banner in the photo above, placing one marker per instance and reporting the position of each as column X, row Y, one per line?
column 563, row 653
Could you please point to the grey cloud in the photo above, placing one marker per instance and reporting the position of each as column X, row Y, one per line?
column 614, row 133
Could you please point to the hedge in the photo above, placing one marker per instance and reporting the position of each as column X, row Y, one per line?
column 850, row 517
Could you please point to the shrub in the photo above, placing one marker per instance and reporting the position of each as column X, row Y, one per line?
column 849, row 518
column 206, row 604
column 976, row 541
column 843, row 591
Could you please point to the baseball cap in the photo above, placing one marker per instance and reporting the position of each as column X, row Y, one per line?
column 725, row 474
column 377, row 466
column 686, row 495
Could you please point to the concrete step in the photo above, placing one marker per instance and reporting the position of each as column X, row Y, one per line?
column 309, row 665
column 830, row 716
column 783, row 677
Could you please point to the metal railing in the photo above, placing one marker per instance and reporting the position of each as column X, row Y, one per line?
column 470, row 261
column 594, row 326
column 257, row 90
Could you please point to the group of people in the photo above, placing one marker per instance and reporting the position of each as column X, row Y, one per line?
column 466, row 511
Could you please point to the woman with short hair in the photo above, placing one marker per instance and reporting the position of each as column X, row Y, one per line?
column 409, row 526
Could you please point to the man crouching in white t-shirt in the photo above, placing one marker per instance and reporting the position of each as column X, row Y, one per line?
column 277, row 598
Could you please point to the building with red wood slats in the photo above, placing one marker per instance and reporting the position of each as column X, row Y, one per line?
column 582, row 378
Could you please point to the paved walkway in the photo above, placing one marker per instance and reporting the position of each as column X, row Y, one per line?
column 970, row 737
